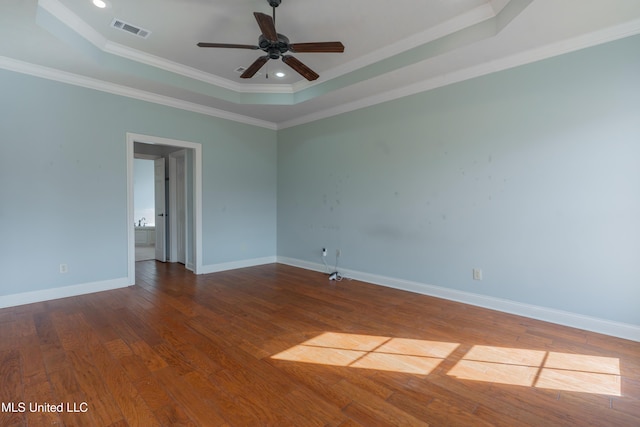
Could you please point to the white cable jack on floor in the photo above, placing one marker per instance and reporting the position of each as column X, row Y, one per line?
column 335, row 275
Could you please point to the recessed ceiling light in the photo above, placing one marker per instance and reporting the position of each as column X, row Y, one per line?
column 100, row 3
column 279, row 74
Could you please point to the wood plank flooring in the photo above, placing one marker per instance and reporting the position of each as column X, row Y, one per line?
column 280, row 346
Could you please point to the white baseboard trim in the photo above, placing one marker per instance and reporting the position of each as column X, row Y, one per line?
column 63, row 292
column 565, row 318
column 215, row 268
column 106, row 285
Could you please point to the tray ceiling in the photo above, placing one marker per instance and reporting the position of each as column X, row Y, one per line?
column 392, row 49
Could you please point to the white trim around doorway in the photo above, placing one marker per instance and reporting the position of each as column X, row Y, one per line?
column 131, row 138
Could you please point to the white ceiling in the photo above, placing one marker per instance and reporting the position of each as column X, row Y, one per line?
column 392, row 48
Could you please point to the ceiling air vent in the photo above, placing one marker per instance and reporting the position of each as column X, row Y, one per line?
column 119, row 24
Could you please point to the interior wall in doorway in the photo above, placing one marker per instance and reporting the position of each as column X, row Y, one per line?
column 144, row 205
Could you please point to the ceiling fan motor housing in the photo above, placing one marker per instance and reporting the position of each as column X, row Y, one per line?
column 274, row 49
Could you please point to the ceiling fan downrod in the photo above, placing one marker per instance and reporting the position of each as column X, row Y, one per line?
column 274, row 4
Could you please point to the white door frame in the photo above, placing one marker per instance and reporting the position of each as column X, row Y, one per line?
column 197, row 198
column 160, row 203
column 177, row 205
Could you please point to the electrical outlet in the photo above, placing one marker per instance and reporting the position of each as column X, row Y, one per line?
column 324, row 251
column 338, row 252
column 477, row 274
column 64, row 268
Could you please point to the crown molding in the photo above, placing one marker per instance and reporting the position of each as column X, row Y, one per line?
column 476, row 15
column 75, row 23
column 35, row 70
column 460, row 22
column 566, row 46
column 192, row 73
column 577, row 43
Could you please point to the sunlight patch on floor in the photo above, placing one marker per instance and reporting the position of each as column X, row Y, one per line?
column 411, row 356
column 541, row 369
column 491, row 364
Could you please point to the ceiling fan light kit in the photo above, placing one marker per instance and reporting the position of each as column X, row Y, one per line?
column 276, row 45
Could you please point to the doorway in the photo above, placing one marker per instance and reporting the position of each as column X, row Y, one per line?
column 160, row 209
column 178, row 210
column 144, row 206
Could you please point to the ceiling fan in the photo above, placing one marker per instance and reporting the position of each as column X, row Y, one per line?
column 276, row 45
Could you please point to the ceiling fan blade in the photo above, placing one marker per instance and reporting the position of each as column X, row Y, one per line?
column 319, row 47
column 228, row 45
column 267, row 26
column 300, row 68
column 253, row 68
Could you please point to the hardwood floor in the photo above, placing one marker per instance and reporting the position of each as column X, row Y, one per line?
column 280, row 346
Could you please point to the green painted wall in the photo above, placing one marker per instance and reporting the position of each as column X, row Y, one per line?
column 63, row 181
column 531, row 174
